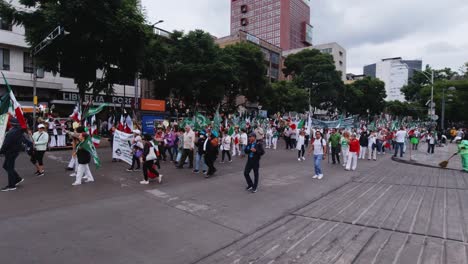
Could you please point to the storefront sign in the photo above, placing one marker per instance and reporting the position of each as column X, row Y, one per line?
column 73, row 97
column 153, row 105
column 122, row 147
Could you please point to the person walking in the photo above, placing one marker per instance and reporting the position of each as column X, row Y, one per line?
column 150, row 154
column 373, row 146
column 400, row 138
column 84, row 158
column 200, row 154
column 363, row 142
column 463, row 151
column 236, row 151
column 210, row 149
column 300, row 146
column 169, row 139
column 243, row 142
column 431, row 141
column 354, row 148
column 345, row 147
column 274, row 139
column 269, row 136
column 319, row 148
column 40, row 141
column 254, row 151
column 188, row 146
column 137, row 147
column 226, row 146
column 334, row 140
column 11, row 148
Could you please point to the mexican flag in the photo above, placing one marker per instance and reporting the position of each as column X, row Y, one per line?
column 301, row 124
column 8, row 103
column 96, row 139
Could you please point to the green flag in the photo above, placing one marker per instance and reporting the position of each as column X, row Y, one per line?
column 231, row 131
column 217, row 121
column 300, row 125
column 95, row 111
column 89, row 146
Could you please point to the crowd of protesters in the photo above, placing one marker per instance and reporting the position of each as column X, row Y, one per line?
column 201, row 150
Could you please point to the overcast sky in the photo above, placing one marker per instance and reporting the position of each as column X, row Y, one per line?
column 432, row 30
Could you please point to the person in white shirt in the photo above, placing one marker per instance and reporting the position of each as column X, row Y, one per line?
column 189, row 145
column 243, row 142
column 300, row 146
column 226, row 146
column 319, row 148
column 431, row 141
column 372, row 147
column 400, row 138
column 236, row 142
column 40, row 141
column 269, row 136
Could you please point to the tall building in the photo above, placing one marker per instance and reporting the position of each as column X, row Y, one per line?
column 334, row 49
column 284, row 23
column 395, row 73
column 53, row 89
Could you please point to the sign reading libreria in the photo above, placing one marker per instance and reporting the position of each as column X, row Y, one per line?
column 73, row 97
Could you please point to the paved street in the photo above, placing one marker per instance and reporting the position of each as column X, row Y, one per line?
column 385, row 212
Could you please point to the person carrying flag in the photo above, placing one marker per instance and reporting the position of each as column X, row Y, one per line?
column 11, row 148
column 84, row 158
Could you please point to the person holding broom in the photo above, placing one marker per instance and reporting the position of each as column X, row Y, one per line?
column 463, row 151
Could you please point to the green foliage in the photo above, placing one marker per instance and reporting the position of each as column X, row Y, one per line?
column 403, row 109
column 103, row 34
column 316, row 71
column 285, row 96
column 363, row 95
column 249, row 71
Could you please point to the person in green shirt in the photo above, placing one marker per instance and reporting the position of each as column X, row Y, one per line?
column 335, row 139
column 344, row 142
column 463, row 151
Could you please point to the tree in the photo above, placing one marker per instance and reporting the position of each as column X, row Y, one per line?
column 311, row 69
column 197, row 72
column 403, row 109
column 106, row 36
column 248, row 66
column 365, row 95
column 285, row 96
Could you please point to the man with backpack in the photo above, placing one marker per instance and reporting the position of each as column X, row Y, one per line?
column 254, row 151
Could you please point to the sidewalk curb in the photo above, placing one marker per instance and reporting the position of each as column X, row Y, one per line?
column 422, row 164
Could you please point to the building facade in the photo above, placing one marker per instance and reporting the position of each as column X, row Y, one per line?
column 272, row 53
column 53, row 90
column 334, row 49
column 284, row 23
column 395, row 73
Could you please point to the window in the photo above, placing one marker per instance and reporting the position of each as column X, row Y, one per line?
column 5, row 26
column 244, row 9
column 341, row 53
column 27, row 63
column 4, row 59
column 341, row 63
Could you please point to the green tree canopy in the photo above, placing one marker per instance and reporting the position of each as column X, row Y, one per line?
column 311, row 69
column 286, row 96
column 363, row 95
column 106, row 35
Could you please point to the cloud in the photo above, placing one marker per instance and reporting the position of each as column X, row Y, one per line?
column 370, row 30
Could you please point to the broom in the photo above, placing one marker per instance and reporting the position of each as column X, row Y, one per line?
column 444, row 163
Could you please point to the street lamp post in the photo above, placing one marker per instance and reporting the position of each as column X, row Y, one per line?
column 36, row 50
column 442, row 120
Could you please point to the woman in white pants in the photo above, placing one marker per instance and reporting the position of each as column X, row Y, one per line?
column 372, row 147
column 354, row 148
column 274, row 139
column 364, row 142
column 300, row 146
column 345, row 147
column 84, row 158
column 269, row 136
